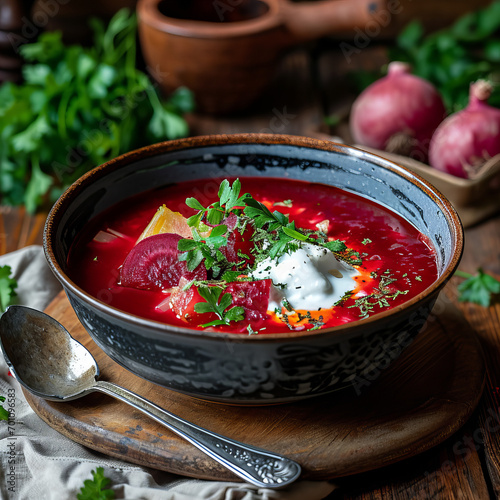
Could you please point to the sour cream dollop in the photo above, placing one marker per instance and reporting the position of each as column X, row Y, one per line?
column 311, row 278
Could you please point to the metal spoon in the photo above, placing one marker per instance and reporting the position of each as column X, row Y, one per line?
column 51, row 364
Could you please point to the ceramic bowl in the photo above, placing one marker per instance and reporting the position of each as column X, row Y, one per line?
column 272, row 368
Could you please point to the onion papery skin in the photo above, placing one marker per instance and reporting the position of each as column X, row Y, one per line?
column 467, row 138
column 398, row 113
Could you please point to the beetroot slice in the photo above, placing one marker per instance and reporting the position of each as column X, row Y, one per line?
column 153, row 264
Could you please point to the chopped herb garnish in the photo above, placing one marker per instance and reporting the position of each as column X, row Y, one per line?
column 380, row 296
column 273, row 235
column 366, row 241
column 284, row 203
column 317, row 326
column 342, row 299
column 230, row 276
column 251, row 331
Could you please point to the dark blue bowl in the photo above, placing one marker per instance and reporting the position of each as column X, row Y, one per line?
column 255, row 369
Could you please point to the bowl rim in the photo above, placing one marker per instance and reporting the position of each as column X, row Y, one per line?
column 222, row 140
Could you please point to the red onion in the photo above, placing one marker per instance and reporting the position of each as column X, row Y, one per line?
column 398, row 113
column 466, row 139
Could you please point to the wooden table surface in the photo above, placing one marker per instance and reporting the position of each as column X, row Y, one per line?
column 309, row 84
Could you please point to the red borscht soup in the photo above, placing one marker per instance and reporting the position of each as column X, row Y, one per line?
column 251, row 256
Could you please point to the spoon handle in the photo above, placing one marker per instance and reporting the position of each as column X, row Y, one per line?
column 257, row 466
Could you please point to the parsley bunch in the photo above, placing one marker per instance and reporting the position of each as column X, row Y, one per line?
column 454, row 57
column 77, row 108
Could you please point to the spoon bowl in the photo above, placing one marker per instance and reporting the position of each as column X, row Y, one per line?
column 48, row 362
column 44, row 358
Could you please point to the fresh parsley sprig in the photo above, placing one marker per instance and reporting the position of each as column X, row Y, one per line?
column 212, row 294
column 477, row 288
column 204, row 249
column 95, row 488
column 4, row 414
column 229, row 198
column 8, row 287
column 276, row 234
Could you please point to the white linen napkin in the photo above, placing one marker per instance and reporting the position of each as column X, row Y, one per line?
column 39, row 463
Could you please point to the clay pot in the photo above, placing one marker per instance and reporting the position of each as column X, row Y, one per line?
column 226, row 51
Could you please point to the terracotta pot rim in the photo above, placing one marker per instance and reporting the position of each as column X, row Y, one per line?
column 148, row 14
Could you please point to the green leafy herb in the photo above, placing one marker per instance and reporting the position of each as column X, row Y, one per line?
column 212, row 294
column 4, row 414
column 454, row 57
column 94, row 489
column 8, row 286
column 205, row 249
column 280, row 236
column 477, row 288
column 77, row 108
column 228, row 199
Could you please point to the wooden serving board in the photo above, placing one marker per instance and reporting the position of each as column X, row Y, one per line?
column 419, row 401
